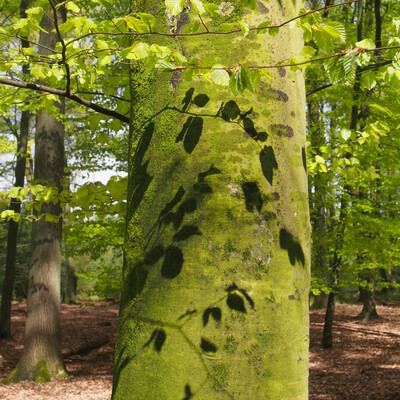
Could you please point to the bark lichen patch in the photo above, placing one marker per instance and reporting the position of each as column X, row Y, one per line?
column 282, row 130
column 226, row 8
column 175, row 79
column 263, row 8
column 279, row 95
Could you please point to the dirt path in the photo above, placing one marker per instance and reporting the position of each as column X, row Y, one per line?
column 365, row 363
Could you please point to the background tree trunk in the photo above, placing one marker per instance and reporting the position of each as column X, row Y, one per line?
column 15, row 205
column 41, row 357
column 216, row 277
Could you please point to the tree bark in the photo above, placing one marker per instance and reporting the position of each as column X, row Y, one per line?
column 215, row 292
column 327, row 334
column 41, row 357
column 318, row 188
column 72, row 279
column 15, row 205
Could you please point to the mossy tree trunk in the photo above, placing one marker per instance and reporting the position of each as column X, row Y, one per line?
column 41, row 357
column 15, row 205
column 216, row 277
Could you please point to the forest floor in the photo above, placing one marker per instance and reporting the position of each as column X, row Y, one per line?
column 364, row 364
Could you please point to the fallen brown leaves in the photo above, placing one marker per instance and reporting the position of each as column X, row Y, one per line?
column 365, row 360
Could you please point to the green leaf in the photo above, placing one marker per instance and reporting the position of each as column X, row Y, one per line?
column 396, row 61
column 160, row 51
column 244, row 28
column 323, row 40
column 336, row 30
column 396, row 24
column 137, row 24
column 368, row 80
column 34, row 11
column 245, row 79
column 101, row 44
column 331, row 31
column 175, row 6
column 308, row 51
column 20, row 24
column 148, row 20
column 51, row 218
column 262, row 28
column 345, row 134
column 71, row 6
column 9, row 214
column 240, row 81
column 212, row 9
column 67, row 27
column 38, row 71
column 179, row 57
column 249, row 4
column 273, row 31
column 138, row 51
column 233, row 84
column 367, row 44
column 226, row 27
column 194, row 26
column 198, row 6
column 165, row 66
column 381, row 109
column 219, row 76
column 349, row 66
column 105, row 60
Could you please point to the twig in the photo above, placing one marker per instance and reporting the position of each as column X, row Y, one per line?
column 63, row 93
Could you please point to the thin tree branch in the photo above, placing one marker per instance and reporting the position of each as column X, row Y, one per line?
column 29, row 41
column 208, row 32
column 11, row 126
column 368, row 67
column 64, row 49
column 102, row 94
column 63, row 93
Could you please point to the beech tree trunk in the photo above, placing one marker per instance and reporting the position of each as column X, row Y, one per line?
column 318, row 188
column 15, row 205
column 215, row 292
column 41, row 357
column 71, row 283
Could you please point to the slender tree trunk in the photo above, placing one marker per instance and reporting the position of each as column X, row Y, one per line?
column 327, row 334
column 15, row 205
column 72, row 280
column 368, row 298
column 214, row 302
column 41, row 357
column 317, row 192
column 367, row 295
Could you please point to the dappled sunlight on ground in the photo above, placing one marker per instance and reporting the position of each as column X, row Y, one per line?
column 364, row 363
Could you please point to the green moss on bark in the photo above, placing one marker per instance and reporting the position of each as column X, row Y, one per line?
column 42, row 374
column 207, row 275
